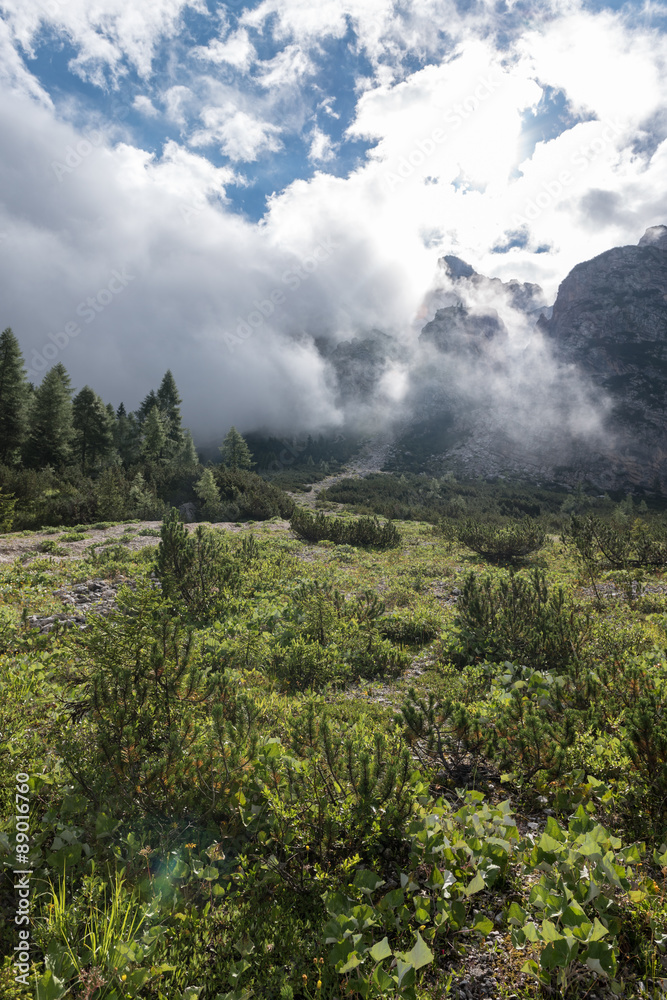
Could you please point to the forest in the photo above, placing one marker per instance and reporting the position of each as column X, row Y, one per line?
column 275, row 729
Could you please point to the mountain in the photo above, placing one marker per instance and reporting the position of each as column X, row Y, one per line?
column 610, row 321
column 577, row 391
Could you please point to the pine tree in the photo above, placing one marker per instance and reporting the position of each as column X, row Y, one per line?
column 155, row 437
column 51, row 430
column 93, row 438
column 13, row 398
column 235, row 452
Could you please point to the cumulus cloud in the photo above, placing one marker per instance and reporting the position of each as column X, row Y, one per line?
column 239, row 135
column 106, row 34
column 247, row 313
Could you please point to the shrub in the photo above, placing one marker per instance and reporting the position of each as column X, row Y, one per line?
column 366, row 531
column 414, row 626
column 517, row 618
column 245, row 496
column 7, row 505
column 512, row 541
column 195, row 568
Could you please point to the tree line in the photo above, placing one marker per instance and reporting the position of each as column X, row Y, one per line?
column 68, row 457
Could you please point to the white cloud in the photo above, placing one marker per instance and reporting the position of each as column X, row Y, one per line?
column 200, row 270
column 145, row 106
column 239, row 135
column 321, row 147
column 236, row 50
column 286, row 69
column 105, row 33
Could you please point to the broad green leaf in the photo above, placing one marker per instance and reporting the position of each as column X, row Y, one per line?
column 476, row 885
column 420, row 954
column 553, row 829
column 600, row 958
column 549, row 932
column 380, row 950
column 549, row 844
column 483, row 925
column 353, row 960
column 245, row 946
column 558, row 954
column 574, row 916
column 394, row 898
column 367, row 881
column 531, row 932
column 50, row 987
column 406, row 973
column 599, row 931
column 516, row 914
column 382, row 978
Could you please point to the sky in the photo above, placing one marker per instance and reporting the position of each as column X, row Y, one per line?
column 231, row 189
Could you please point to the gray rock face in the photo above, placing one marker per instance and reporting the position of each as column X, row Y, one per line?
column 610, row 320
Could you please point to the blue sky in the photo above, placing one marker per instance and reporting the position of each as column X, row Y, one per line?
column 209, row 148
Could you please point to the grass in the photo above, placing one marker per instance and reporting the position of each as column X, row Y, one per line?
column 230, row 847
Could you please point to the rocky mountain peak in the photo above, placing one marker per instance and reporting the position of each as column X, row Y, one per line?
column 654, row 236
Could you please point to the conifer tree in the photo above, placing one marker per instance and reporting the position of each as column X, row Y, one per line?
column 235, row 452
column 126, row 436
column 51, row 430
column 13, row 398
column 208, row 492
column 169, row 403
column 93, row 437
column 147, row 405
column 187, row 454
column 155, row 437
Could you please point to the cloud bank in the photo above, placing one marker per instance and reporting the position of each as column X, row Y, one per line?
column 380, row 137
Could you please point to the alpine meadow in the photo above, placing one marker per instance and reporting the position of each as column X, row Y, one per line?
column 333, row 500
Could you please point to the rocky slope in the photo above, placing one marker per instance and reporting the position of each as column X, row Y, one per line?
column 610, row 320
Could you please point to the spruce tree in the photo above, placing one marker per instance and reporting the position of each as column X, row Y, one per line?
column 13, row 398
column 93, row 438
column 126, row 436
column 169, row 404
column 147, row 405
column 155, row 437
column 187, row 455
column 235, row 452
column 51, row 430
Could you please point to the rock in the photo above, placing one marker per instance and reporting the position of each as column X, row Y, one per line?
column 188, row 512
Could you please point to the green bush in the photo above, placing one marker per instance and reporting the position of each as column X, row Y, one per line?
column 196, row 568
column 517, row 618
column 246, row 496
column 365, row 532
column 501, row 544
column 7, row 504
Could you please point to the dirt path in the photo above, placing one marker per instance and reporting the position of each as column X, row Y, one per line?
column 371, row 459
